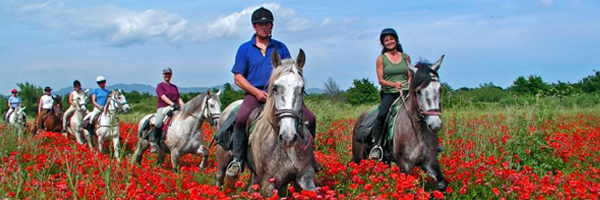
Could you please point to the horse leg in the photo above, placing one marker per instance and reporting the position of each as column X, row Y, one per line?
column 116, row 144
column 266, row 188
column 142, row 146
column 100, row 141
column 175, row 154
column 306, row 180
column 434, row 171
column 161, row 157
column 223, row 158
column 202, row 151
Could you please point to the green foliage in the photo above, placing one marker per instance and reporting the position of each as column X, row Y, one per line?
column 229, row 94
column 533, row 85
column 30, row 95
column 591, row 83
column 362, row 92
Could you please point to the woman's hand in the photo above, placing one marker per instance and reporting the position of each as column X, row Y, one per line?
column 398, row 85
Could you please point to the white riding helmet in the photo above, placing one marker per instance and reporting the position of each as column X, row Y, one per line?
column 100, row 79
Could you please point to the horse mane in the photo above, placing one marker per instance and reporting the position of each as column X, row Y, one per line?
column 423, row 76
column 191, row 106
column 266, row 119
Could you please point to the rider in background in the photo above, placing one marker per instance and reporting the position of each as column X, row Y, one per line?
column 99, row 98
column 44, row 106
column 72, row 104
column 168, row 95
column 393, row 76
column 14, row 102
column 252, row 70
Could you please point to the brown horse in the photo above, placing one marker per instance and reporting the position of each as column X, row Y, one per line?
column 52, row 120
column 281, row 147
column 415, row 129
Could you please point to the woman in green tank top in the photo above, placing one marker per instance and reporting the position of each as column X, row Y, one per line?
column 393, row 75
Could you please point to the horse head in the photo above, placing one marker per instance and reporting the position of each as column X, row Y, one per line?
column 425, row 86
column 212, row 107
column 119, row 101
column 286, row 93
column 81, row 99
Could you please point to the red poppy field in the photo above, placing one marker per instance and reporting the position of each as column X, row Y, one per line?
column 509, row 155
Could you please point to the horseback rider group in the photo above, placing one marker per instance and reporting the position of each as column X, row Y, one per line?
column 251, row 71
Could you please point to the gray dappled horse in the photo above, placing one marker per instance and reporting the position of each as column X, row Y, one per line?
column 75, row 126
column 415, row 129
column 107, row 125
column 184, row 135
column 280, row 145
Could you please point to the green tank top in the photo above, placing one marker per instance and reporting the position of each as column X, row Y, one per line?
column 394, row 73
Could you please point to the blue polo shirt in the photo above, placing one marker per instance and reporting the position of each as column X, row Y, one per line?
column 101, row 96
column 256, row 68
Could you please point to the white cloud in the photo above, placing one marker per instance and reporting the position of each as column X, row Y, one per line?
column 117, row 26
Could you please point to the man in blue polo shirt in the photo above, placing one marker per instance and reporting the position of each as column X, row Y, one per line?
column 252, row 70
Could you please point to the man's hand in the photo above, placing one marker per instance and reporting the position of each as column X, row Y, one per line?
column 261, row 96
column 176, row 107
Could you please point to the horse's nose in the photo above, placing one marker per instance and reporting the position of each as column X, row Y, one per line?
column 287, row 141
column 434, row 123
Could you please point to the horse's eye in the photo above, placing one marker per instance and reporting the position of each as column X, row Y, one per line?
column 274, row 88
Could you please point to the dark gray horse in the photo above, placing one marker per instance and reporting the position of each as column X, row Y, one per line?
column 415, row 129
column 280, row 147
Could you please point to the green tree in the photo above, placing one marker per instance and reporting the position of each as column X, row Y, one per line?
column 362, row 92
column 533, row 85
column 229, row 94
column 591, row 83
column 30, row 95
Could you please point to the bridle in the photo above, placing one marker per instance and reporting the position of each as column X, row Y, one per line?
column 429, row 112
column 212, row 117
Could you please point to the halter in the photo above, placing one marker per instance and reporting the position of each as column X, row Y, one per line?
column 211, row 116
column 429, row 112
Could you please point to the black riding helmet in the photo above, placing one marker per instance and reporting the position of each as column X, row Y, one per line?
column 388, row 31
column 76, row 83
column 262, row 15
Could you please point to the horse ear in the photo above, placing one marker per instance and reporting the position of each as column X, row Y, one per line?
column 412, row 68
column 218, row 92
column 86, row 91
column 275, row 59
column 23, row 108
column 208, row 91
column 438, row 63
column 120, row 91
column 301, row 59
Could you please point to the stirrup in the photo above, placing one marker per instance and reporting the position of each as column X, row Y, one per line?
column 231, row 172
column 372, row 155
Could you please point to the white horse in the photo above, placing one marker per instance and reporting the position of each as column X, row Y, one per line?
column 75, row 126
column 107, row 125
column 17, row 118
column 184, row 135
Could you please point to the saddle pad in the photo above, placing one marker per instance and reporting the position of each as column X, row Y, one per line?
column 391, row 118
column 224, row 136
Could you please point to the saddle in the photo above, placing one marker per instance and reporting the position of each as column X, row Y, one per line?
column 364, row 131
column 225, row 135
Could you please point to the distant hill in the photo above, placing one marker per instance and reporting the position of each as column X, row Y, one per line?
column 142, row 88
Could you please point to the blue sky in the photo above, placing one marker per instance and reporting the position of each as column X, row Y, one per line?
column 54, row 42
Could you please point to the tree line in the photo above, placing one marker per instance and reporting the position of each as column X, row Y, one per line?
column 364, row 92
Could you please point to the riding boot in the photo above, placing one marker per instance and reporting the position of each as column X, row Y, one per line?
column 240, row 144
column 377, row 152
column 155, row 138
column 90, row 128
